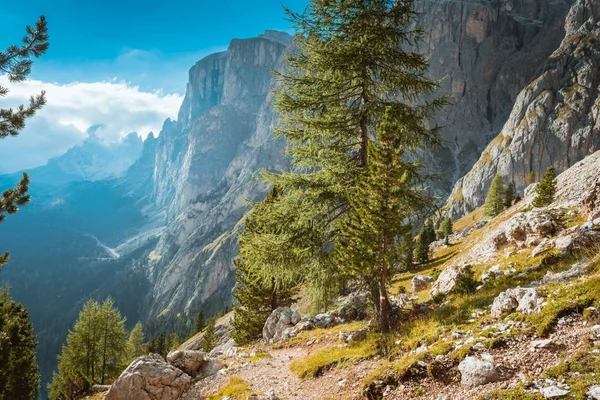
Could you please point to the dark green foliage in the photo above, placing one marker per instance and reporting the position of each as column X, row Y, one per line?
column 163, row 344
column 546, row 189
column 386, row 198
column 16, row 62
column 495, row 200
column 510, row 195
column 255, row 299
column 19, row 378
column 210, row 338
column 199, row 322
column 446, row 229
column 352, row 66
column 467, row 283
column 406, row 252
column 426, row 237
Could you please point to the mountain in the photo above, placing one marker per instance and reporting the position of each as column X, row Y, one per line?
column 91, row 160
column 554, row 121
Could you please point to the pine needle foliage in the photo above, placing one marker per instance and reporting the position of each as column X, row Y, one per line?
column 199, row 322
column 352, row 66
column 546, row 189
column 495, row 199
column 19, row 378
column 210, row 338
column 95, row 351
column 385, row 201
column 16, row 62
column 426, row 237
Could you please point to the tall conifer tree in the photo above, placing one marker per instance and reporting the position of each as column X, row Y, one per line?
column 546, row 189
column 495, row 199
column 353, row 65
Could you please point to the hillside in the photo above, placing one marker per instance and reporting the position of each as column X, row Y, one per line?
column 529, row 330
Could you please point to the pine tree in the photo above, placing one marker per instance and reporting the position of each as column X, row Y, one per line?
column 209, row 338
column 446, row 229
column 531, row 177
column 426, row 237
column 158, row 345
column 199, row 322
column 407, row 249
column 510, row 195
column 352, row 65
column 16, row 62
column 94, row 352
column 546, row 189
column 135, row 343
column 494, row 202
column 255, row 300
column 19, row 378
column 386, row 198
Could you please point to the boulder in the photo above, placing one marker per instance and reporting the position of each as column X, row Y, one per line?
column 449, row 279
column 353, row 307
column 226, row 349
column 554, row 392
column 420, row 282
column 280, row 319
column 211, row 366
column 353, row 337
column 594, row 392
column 518, row 299
column 189, row 361
column 149, row 378
column 479, row 370
column 575, row 271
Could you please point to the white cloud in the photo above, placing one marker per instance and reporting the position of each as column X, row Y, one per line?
column 71, row 109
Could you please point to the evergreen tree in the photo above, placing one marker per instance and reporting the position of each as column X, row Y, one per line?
column 135, row 343
column 494, row 202
column 546, row 189
column 113, row 341
column 510, row 195
column 209, row 338
column 16, row 62
column 158, row 345
column 19, row 378
column 407, row 249
column 199, row 322
column 531, row 177
column 426, row 237
column 255, row 300
column 385, row 200
column 446, row 229
column 353, row 65
column 94, row 352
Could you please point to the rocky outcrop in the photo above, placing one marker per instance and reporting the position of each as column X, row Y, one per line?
column 554, row 119
column 486, row 52
column 449, row 279
column 518, row 299
column 149, row 378
column 420, row 282
column 280, row 319
column 478, row 370
column 195, row 363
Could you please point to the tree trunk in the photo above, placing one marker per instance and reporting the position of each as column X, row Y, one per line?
column 384, row 323
column 273, row 296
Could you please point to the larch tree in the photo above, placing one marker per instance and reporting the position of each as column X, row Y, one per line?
column 386, row 199
column 94, row 352
column 353, row 64
column 199, row 322
column 16, row 62
column 426, row 237
column 135, row 343
column 495, row 199
column 510, row 195
column 546, row 189
column 255, row 300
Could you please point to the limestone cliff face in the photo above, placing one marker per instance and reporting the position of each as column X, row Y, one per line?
column 486, row 52
column 554, row 120
column 205, row 165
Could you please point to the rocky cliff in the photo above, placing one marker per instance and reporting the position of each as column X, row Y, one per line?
column 554, row 119
column 204, row 169
column 486, row 52
column 206, row 160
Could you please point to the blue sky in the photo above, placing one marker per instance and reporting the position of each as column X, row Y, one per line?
column 119, row 64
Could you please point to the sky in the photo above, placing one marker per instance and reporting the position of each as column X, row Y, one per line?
column 119, row 64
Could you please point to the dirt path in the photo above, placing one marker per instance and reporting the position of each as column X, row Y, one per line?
column 274, row 374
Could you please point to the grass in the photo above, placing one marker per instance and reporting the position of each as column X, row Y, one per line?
column 468, row 220
column 329, row 334
column 235, row 388
column 314, row 365
column 511, row 394
column 580, row 372
column 259, row 356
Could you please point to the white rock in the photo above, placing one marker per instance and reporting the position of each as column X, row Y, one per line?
column 554, row 392
column 594, row 392
column 476, row 371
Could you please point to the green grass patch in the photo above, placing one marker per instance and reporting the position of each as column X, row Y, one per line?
column 511, row 394
column 235, row 388
column 316, row 364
